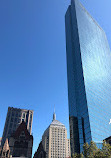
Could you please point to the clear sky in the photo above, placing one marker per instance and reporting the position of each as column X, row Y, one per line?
column 33, row 72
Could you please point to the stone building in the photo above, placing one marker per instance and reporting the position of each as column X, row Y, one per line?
column 54, row 140
column 5, row 151
column 108, row 140
column 14, row 118
column 68, row 148
column 40, row 153
column 0, row 141
column 21, row 142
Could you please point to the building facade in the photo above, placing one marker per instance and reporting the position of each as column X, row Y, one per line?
column 108, row 140
column 0, row 141
column 89, row 78
column 40, row 153
column 68, row 149
column 5, row 151
column 14, row 118
column 21, row 142
column 54, row 140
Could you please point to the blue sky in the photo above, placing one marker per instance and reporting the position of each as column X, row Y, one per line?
column 33, row 71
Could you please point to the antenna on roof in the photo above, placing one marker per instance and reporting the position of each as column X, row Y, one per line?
column 54, row 108
column 54, row 115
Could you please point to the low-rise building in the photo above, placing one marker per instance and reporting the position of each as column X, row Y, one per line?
column 108, row 140
column 21, row 142
column 5, row 151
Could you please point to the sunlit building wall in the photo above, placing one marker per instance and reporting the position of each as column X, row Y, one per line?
column 89, row 78
column 54, row 140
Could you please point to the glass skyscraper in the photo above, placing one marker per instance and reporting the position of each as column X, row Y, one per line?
column 89, row 78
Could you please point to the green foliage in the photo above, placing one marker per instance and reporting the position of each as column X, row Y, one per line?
column 106, row 149
column 81, row 156
column 99, row 154
column 91, row 151
column 86, row 149
column 77, row 155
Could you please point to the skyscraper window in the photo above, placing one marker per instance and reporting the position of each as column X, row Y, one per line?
column 89, row 78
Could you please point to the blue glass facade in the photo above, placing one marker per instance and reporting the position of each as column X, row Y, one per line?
column 89, row 78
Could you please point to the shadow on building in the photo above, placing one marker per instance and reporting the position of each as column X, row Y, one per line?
column 21, row 142
column 40, row 153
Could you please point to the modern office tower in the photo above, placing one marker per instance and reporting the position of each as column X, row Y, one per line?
column 54, row 140
column 89, row 78
column 14, row 117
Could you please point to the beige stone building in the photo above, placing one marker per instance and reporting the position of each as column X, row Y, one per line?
column 68, row 148
column 54, row 140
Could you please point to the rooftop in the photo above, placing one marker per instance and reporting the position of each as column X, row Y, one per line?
column 56, row 123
